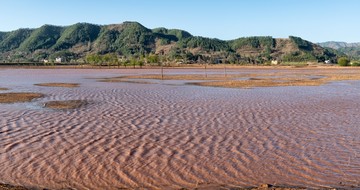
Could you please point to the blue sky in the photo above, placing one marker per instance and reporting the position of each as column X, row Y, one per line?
column 314, row 20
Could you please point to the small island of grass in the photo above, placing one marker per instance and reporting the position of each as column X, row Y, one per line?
column 19, row 97
column 66, row 104
column 66, row 85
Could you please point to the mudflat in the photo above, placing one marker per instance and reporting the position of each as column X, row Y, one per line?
column 169, row 134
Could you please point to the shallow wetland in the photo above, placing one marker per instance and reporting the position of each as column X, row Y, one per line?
column 181, row 132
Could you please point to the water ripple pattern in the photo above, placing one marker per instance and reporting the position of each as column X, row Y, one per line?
column 174, row 136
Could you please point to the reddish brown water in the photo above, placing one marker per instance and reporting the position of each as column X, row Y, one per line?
column 170, row 135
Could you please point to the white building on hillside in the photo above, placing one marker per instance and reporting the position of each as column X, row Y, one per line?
column 58, row 60
column 274, row 62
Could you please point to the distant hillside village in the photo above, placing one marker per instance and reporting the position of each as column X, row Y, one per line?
column 132, row 43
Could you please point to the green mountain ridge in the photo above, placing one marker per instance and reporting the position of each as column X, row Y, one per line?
column 42, row 38
column 350, row 49
column 78, row 33
column 339, row 45
column 133, row 40
column 12, row 40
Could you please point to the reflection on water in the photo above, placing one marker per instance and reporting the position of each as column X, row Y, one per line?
column 172, row 136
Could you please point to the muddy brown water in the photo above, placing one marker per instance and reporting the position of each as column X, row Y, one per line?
column 169, row 135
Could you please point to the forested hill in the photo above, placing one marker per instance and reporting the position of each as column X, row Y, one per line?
column 82, row 42
column 350, row 49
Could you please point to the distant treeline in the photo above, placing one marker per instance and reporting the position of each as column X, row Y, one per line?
column 129, row 41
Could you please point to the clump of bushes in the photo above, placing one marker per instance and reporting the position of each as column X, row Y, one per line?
column 355, row 63
column 343, row 61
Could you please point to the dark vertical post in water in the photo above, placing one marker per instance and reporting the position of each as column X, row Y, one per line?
column 205, row 70
column 162, row 72
column 162, row 59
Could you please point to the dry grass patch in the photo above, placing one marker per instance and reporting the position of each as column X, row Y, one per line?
column 303, row 78
column 11, row 187
column 123, row 80
column 19, row 97
column 3, row 89
column 256, row 78
column 257, row 82
column 130, row 79
column 339, row 77
column 66, row 104
column 66, row 85
column 180, row 77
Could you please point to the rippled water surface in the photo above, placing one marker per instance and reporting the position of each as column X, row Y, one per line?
column 172, row 135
